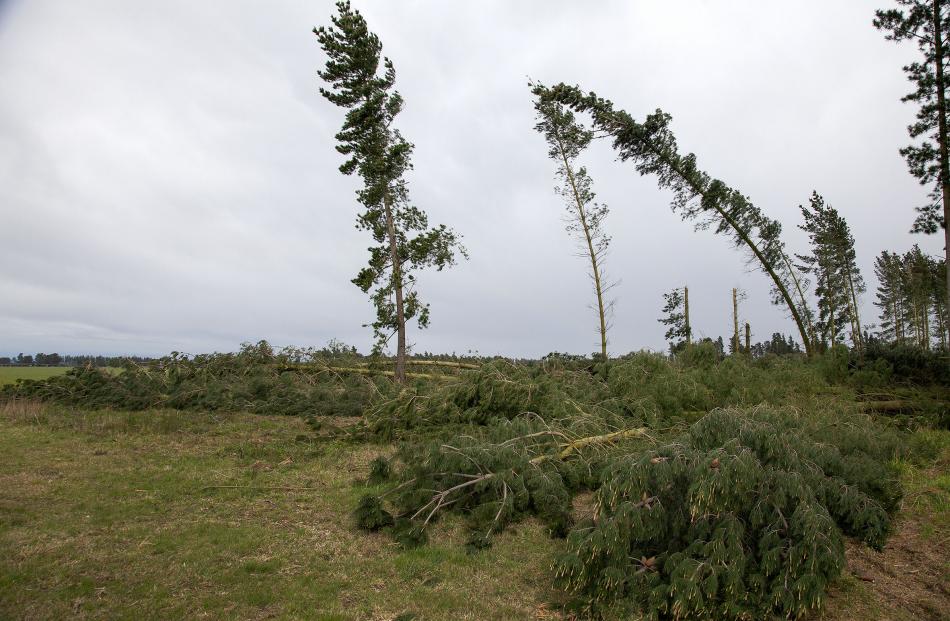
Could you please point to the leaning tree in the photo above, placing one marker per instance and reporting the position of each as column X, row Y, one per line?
column 381, row 156
column 566, row 140
column 833, row 264
column 928, row 23
column 697, row 196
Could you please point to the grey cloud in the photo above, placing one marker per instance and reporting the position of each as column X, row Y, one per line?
column 168, row 178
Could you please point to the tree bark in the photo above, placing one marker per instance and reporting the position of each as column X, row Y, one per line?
column 855, row 317
column 801, row 296
column 594, row 266
column 735, row 323
column 942, row 138
column 689, row 340
column 399, row 373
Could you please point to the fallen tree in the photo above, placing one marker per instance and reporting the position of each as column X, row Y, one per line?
column 743, row 516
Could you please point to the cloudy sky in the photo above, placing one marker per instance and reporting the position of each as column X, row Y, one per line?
column 168, row 179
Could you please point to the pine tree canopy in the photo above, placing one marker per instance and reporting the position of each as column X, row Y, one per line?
column 675, row 318
column 833, row 264
column 360, row 80
column 921, row 21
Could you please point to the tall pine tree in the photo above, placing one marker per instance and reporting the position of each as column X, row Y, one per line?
column 833, row 264
column 927, row 22
column 566, row 140
column 361, row 81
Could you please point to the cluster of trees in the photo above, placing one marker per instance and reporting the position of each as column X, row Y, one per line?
column 68, row 360
column 362, row 81
column 40, row 359
column 912, row 299
column 926, row 23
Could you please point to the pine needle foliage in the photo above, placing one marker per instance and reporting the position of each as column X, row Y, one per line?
column 501, row 473
column 833, row 264
column 361, row 80
column 256, row 379
column 674, row 316
column 911, row 299
column 645, row 387
column 709, row 202
column 927, row 24
column 741, row 519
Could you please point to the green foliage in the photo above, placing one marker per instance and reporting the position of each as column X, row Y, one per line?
column 641, row 387
column 381, row 156
column 497, row 391
column 912, row 299
column 904, row 363
column 740, row 519
column 370, row 514
column 675, row 317
column 379, row 471
column 256, row 379
column 500, row 473
column 697, row 196
column 833, row 264
column 922, row 22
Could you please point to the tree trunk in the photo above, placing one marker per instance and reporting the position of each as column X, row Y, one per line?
column 748, row 340
column 735, row 322
column 686, row 316
column 399, row 373
column 801, row 296
column 925, row 323
column 594, row 266
column 832, row 329
column 942, row 139
column 855, row 317
column 744, row 236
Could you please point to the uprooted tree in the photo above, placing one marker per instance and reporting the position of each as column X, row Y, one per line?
column 381, row 156
column 699, row 197
column 566, row 140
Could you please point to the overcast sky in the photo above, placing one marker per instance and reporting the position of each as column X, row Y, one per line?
column 168, row 179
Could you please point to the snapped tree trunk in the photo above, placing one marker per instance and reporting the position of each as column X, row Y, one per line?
column 399, row 373
column 735, row 322
column 689, row 339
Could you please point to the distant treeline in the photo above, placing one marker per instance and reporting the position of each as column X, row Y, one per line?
column 56, row 360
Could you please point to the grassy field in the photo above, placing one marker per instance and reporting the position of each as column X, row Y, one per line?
column 9, row 375
column 164, row 514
